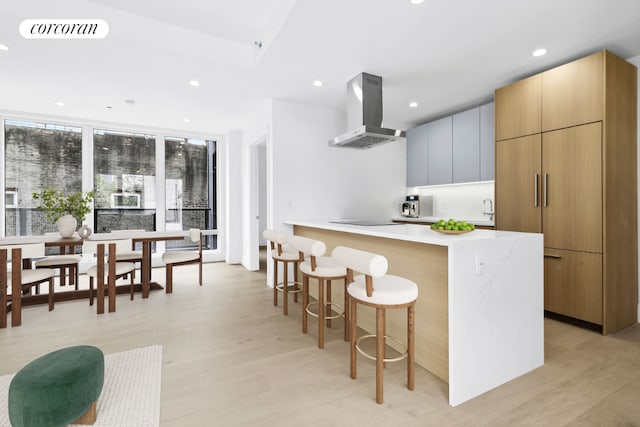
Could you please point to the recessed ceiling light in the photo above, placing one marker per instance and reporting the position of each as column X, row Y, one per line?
column 417, row 1
column 60, row 104
column 194, row 83
column 4, row 47
column 317, row 83
column 539, row 52
column 413, row 104
column 187, row 120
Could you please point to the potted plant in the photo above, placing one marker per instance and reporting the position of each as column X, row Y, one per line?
column 65, row 211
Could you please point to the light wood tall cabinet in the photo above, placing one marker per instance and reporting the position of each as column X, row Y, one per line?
column 566, row 166
column 518, row 168
column 517, row 108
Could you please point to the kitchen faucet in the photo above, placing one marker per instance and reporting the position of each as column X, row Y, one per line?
column 490, row 213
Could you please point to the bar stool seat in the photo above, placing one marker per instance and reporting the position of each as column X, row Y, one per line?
column 286, row 255
column 326, row 267
column 381, row 291
column 389, row 290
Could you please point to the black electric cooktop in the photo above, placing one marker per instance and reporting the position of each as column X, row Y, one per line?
column 368, row 223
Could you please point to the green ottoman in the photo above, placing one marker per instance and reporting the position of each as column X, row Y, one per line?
column 57, row 388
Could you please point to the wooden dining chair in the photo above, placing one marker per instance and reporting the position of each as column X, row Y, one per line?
column 105, row 252
column 62, row 262
column 132, row 254
column 21, row 280
column 176, row 258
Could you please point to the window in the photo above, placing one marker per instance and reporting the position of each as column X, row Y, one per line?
column 38, row 156
column 125, row 200
column 10, row 199
column 41, row 155
column 190, row 187
column 124, row 180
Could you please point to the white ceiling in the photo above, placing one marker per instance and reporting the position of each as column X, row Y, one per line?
column 446, row 55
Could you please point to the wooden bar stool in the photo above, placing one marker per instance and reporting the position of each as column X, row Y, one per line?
column 381, row 291
column 277, row 239
column 324, row 269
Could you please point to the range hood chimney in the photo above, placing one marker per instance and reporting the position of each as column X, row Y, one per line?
column 364, row 115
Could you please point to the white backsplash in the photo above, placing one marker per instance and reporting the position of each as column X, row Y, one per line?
column 459, row 201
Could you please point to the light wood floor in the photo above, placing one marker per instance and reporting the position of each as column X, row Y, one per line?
column 230, row 358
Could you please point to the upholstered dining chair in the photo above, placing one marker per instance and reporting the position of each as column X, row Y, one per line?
column 113, row 270
column 381, row 291
column 62, row 263
column 26, row 278
column 132, row 255
column 183, row 257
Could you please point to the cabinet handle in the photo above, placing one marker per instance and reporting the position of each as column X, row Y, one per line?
column 535, row 190
column 544, row 190
column 552, row 256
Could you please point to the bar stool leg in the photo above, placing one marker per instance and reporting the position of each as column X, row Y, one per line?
column 321, row 314
column 285, row 289
column 305, row 302
column 379, row 354
column 295, row 281
column 352, row 326
column 275, row 283
column 384, row 339
column 346, row 311
column 328, row 306
column 411, row 346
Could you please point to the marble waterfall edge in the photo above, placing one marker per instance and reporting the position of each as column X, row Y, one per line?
column 496, row 313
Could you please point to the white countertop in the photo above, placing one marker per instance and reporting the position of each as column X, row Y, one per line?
column 409, row 232
column 432, row 219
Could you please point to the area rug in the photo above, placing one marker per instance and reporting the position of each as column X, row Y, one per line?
column 130, row 394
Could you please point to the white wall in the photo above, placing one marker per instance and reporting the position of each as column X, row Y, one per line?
column 233, row 198
column 636, row 61
column 313, row 180
column 310, row 180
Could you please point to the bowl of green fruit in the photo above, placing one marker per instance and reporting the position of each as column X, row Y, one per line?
column 452, row 226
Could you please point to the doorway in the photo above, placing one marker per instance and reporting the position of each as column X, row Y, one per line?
column 258, row 203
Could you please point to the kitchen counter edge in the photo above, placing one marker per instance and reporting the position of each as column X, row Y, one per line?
column 411, row 232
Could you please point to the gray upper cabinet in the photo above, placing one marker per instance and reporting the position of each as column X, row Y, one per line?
column 417, row 156
column 487, row 143
column 466, row 146
column 439, row 146
column 454, row 149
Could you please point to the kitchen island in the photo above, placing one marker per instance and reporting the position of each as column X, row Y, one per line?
column 479, row 314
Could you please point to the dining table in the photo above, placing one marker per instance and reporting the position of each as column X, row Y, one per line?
column 68, row 245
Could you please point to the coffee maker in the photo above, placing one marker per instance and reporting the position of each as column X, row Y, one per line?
column 415, row 206
column 410, row 208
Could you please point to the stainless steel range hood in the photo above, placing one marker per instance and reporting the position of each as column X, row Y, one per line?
column 364, row 115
